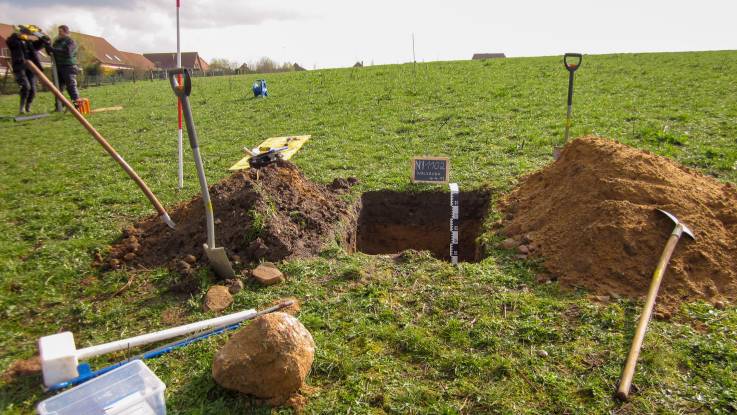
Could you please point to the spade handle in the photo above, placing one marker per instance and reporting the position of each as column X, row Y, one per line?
column 629, row 368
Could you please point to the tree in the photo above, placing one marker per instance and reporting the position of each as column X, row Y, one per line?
column 223, row 64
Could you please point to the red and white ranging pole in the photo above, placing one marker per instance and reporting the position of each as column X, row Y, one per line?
column 180, row 148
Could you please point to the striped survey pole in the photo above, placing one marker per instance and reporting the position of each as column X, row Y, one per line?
column 454, row 222
column 180, row 147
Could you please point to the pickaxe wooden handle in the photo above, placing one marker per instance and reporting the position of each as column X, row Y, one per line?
column 629, row 368
column 114, row 154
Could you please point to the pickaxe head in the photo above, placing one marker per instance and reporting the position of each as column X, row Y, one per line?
column 677, row 222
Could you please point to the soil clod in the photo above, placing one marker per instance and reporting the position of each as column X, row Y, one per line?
column 217, row 299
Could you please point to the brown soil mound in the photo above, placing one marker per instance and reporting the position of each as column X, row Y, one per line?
column 591, row 216
column 274, row 215
column 269, row 358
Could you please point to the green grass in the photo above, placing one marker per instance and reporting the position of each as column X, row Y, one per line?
column 418, row 336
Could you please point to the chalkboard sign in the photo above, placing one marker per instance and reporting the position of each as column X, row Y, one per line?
column 430, row 169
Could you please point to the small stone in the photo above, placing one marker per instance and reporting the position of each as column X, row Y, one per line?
column 602, row 298
column 509, row 243
column 527, row 238
column 542, row 278
column 234, row 285
column 614, row 295
column 523, row 249
column 719, row 305
column 532, row 248
column 218, row 221
column 190, row 259
column 130, row 256
column 217, row 299
column 521, row 256
column 267, row 274
column 542, row 353
column 662, row 315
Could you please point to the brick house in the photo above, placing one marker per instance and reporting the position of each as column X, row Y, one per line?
column 168, row 60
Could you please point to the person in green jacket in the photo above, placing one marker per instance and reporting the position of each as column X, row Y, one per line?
column 65, row 56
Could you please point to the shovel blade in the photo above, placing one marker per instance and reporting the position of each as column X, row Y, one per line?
column 219, row 261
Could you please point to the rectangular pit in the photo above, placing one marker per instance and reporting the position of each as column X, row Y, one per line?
column 390, row 222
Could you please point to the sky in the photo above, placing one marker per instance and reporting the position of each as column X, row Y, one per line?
column 338, row 33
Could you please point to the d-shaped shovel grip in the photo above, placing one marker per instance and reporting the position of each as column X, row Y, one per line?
column 572, row 66
column 180, row 90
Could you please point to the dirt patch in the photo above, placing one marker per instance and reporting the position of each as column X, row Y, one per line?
column 275, row 214
column 391, row 222
column 22, row 367
column 592, row 216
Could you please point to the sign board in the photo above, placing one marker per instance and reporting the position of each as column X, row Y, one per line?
column 426, row 169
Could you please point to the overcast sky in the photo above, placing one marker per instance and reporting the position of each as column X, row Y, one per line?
column 335, row 33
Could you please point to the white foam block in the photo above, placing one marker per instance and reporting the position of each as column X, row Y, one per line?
column 58, row 358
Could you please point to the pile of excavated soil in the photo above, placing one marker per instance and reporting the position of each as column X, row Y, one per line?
column 591, row 216
column 274, row 214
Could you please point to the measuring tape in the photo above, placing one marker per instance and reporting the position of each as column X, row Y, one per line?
column 454, row 222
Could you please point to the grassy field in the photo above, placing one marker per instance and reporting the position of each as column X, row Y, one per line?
column 417, row 336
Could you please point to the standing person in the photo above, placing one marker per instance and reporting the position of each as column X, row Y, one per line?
column 65, row 56
column 23, row 48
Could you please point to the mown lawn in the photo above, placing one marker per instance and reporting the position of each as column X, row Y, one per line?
column 409, row 336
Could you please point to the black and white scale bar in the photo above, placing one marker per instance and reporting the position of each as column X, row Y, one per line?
column 454, row 222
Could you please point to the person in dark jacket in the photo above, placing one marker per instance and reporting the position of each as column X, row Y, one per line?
column 24, row 46
column 65, row 57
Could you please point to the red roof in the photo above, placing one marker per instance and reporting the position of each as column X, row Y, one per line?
column 138, row 61
column 168, row 60
column 101, row 49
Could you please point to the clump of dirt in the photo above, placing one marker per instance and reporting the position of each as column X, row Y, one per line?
column 22, row 367
column 269, row 359
column 273, row 213
column 592, row 217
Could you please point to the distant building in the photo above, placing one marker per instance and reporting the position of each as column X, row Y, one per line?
column 166, row 61
column 358, row 64
column 101, row 52
column 298, row 68
column 482, row 56
column 138, row 61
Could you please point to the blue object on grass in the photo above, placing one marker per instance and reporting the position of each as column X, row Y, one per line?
column 259, row 88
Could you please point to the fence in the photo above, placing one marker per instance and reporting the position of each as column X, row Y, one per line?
column 8, row 85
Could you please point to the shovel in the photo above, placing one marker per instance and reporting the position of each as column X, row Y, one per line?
column 571, row 67
column 217, row 257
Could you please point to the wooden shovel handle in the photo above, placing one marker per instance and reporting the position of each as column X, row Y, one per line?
column 114, row 154
column 629, row 368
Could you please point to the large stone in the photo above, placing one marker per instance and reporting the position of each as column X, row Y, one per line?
column 269, row 358
column 217, row 299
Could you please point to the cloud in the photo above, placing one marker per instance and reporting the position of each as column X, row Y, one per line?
column 142, row 25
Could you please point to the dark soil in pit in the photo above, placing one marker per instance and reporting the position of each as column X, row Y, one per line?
column 274, row 215
column 391, row 222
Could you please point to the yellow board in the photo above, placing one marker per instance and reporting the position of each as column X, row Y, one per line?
column 294, row 142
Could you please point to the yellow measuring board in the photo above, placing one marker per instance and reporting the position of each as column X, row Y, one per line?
column 294, row 142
